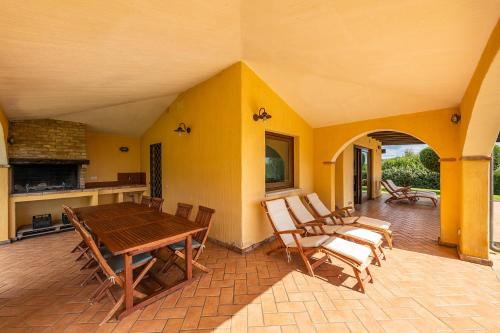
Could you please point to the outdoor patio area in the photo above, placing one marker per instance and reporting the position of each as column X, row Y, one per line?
column 422, row 287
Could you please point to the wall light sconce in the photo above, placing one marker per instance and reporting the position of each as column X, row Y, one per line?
column 11, row 140
column 123, row 149
column 455, row 118
column 262, row 115
column 182, row 129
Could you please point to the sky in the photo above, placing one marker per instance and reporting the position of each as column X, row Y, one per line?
column 399, row 150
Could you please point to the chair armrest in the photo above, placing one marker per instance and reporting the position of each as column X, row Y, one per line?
column 294, row 231
column 346, row 209
column 314, row 224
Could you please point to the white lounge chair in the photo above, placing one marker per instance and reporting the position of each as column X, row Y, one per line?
column 302, row 217
column 335, row 217
column 291, row 239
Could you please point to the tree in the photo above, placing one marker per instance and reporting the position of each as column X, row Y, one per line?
column 429, row 159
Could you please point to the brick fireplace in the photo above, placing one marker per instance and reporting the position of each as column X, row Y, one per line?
column 47, row 155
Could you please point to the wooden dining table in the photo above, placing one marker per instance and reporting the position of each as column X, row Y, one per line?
column 129, row 229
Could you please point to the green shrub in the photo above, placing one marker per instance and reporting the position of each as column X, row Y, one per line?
column 496, row 157
column 407, row 170
column 496, row 182
column 429, row 159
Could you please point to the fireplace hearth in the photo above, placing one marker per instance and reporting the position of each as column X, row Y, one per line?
column 43, row 175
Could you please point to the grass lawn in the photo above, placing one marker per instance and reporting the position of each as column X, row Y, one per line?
column 496, row 197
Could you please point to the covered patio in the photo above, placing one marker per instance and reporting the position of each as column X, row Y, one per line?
column 422, row 287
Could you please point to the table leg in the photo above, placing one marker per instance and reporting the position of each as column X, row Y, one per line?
column 128, row 288
column 189, row 258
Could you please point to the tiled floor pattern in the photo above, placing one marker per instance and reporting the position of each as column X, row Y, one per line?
column 420, row 288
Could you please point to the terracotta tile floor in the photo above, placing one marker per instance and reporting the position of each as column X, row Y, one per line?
column 420, row 288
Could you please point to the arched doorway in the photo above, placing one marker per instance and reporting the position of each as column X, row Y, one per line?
column 395, row 155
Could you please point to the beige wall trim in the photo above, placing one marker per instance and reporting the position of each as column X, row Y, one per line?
column 476, row 158
column 475, row 260
column 447, row 159
column 328, row 162
column 238, row 250
column 446, row 244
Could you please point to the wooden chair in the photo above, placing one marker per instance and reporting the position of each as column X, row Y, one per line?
column 406, row 193
column 146, row 201
column 156, row 204
column 183, row 210
column 291, row 239
column 337, row 217
column 112, row 268
column 302, row 216
column 80, row 247
column 204, row 219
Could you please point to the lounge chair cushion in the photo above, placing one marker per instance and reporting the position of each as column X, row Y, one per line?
column 358, row 253
column 318, row 205
column 330, row 229
column 116, row 262
column 361, row 234
column 311, row 241
column 375, row 223
column 179, row 246
column 281, row 219
column 299, row 210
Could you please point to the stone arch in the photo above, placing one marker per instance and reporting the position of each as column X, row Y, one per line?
column 484, row 123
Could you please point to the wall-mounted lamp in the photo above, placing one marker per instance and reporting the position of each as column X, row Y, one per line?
column 123, row 149
column 11, row 140
column 455, row 118
column 262, row 115
column 182, row 129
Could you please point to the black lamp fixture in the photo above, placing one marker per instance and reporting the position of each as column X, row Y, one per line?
column 182, row 129
column 262, row 115
column 455, row 118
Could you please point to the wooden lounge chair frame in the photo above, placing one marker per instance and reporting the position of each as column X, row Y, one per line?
column 306, row 253
column 320, row 230
column 338, row 215
column 204, row 219
column 406, row 193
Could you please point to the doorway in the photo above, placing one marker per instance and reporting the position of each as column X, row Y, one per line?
column 362, row 174
column 155, row 170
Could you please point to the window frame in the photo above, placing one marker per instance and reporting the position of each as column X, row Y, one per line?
column 270, row 187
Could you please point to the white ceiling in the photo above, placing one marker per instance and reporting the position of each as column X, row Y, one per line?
column 332, row 61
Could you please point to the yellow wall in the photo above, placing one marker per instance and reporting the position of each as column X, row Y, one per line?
column 256, row 94
column 203, row 168
column 432, row 127
column 106, row 160
column 344, row 171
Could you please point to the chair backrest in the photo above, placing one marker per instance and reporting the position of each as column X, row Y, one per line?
column 69, row 212
column 183, row 210
column 280, row 218
column 299, row 210
column 145, row 201
column 96, row 253
column 317, row 205
column 204, row 219
column 156, row 204
column 392, row 185
column 389, row 189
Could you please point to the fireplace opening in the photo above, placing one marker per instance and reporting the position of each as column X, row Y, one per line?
column 27, row 178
